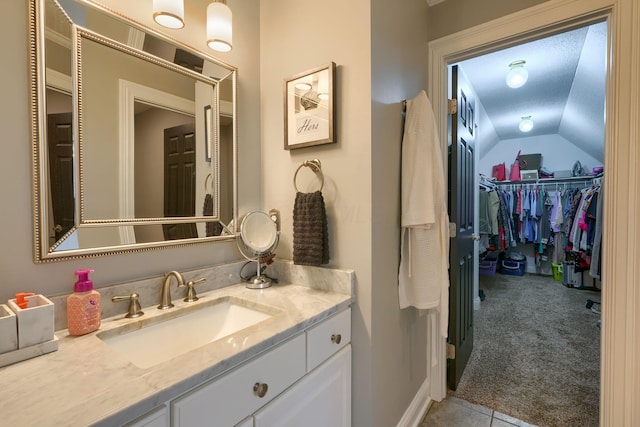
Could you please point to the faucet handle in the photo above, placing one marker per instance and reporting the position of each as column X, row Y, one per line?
column 134, row 305
column 191, row 292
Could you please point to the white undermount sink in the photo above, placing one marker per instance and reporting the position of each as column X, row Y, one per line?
column 147, row 342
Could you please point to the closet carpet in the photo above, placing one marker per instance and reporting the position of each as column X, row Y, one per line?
column 536, row 352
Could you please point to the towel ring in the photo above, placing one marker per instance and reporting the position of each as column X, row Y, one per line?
column 315, row 166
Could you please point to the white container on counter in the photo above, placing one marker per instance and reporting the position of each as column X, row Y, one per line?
column 8, row 329
column 35, row 323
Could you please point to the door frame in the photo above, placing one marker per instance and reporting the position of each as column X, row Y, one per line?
column 620, row 342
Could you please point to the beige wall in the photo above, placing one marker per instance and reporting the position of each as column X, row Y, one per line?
column 452, row 16
column 399, row 64
column 361, row 173
column 292, row 41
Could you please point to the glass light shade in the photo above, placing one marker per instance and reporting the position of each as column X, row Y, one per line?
column 169, row 13
column 219, row 28
column 517, row 76
column 526, row 124
column 303, row 86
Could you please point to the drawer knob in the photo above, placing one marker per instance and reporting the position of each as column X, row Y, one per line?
column 336, row 338
column 260, row 389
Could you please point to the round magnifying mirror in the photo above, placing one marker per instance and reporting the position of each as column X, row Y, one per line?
column 258, row 232
column 258, row 237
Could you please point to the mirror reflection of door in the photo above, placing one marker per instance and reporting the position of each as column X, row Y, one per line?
column 179, row 180
column 60, row 152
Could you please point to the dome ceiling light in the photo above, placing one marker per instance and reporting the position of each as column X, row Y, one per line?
column 517, row 75
column 526, row 124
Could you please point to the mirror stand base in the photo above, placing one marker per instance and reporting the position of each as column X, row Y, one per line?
column 258, row 282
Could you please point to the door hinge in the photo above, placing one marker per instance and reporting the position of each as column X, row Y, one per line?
column 451, row 351
column 452, row 230
column 452, row 106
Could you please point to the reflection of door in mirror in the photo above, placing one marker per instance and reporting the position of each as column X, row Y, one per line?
column 60, row 152
column 179, row 180
column 151, row 122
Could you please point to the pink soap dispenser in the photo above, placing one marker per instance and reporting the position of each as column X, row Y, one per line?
column 83, row 306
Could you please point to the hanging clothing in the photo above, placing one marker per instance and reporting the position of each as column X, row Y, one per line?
column 423, row 278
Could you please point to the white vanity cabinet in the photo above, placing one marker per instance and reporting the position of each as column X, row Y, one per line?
column 159, row 417
column 303, row 381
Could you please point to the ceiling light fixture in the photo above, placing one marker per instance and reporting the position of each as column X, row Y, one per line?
column 303, row 86
column 169, row 13
column 526, row 124
column 517, row 75
column 219, row 28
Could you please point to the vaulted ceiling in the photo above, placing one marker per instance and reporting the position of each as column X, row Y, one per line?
column 564, row 93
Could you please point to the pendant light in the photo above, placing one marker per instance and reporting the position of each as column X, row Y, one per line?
column 526, row 124
column 219, row 28
column 169, row 13
column 517, row 75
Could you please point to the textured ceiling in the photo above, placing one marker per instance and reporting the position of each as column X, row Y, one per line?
column 564, row 94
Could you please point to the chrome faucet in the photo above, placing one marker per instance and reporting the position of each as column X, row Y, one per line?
column 165, row 299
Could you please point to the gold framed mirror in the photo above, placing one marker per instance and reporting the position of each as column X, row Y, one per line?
column 133, row 136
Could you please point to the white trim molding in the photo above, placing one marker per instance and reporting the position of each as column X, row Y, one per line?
column 418, row 407
column 129, row 93
column 620, row 361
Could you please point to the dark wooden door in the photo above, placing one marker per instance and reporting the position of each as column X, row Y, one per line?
column 461, row 212
column 60, row 147
column 179, row 180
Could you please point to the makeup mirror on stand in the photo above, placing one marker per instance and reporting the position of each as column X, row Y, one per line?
column 257, row 239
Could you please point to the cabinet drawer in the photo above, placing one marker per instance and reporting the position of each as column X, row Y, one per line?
column 227, row 400
column 328, row 337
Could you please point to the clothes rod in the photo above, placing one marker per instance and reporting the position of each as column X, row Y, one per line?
column 571, row 179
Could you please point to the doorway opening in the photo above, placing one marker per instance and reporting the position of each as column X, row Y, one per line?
column 561, row 159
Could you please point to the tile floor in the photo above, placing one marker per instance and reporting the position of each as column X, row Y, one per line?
column 454, row 412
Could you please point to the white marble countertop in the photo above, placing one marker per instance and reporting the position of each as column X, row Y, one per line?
column 86, row 382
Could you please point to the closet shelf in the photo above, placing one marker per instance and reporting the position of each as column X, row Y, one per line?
column 551, row 180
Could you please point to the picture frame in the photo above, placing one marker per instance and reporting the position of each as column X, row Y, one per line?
column 208, row 124
column 309, row 108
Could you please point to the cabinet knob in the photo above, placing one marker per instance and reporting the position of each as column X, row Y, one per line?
column 260, row 389
column 336, row 338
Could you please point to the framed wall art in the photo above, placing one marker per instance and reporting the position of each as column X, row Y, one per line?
column 309, row 108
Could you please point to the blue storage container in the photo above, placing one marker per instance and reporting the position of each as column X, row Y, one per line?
column 513, row 268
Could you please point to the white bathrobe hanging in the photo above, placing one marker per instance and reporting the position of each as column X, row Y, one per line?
column 423, row 276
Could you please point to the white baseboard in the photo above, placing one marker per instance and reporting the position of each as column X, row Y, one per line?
column 418, row 407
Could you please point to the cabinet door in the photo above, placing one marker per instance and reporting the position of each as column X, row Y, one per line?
column 159, row 417
column 320, row 399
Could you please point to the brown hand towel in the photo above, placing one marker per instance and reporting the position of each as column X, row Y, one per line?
column 310, row 231
column 211, row 228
